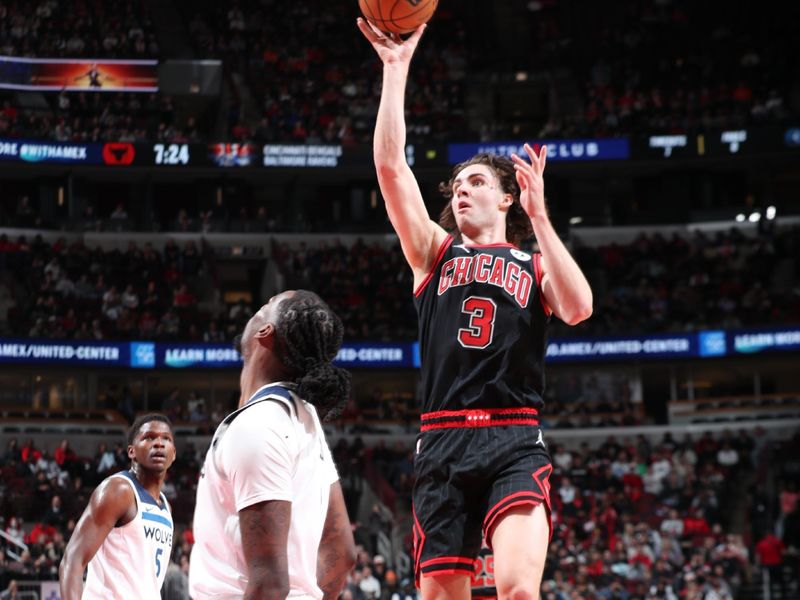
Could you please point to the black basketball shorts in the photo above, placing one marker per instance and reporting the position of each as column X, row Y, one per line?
column 471, row 467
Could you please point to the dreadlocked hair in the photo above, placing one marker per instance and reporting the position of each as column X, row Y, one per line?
column 309, row 335
column 518, row 223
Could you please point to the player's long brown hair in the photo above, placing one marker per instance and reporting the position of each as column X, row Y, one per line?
column 518, row 224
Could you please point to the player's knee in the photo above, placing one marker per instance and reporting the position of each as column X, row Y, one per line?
column 521, row 584
column 518, row 590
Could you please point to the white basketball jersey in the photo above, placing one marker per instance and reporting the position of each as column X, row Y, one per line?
column 276, row 450
column 132, row 561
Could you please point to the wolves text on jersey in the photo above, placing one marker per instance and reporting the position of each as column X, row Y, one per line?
column 486, row 268
column 158, row 534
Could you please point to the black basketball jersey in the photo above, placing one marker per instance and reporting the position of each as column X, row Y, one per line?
column 482, row 329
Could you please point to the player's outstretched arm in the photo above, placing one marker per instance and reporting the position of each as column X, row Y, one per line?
column 111, row 503
column 420, row 237
column 337, row 549
column 265, row 538
column 564, row 286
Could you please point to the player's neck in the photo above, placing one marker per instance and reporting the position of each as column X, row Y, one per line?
column 484, row 238
column 250, row 388
column 253, row 379
column 150, row 480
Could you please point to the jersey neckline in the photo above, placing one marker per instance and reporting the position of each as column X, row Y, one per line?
column 259, row 393
column 496, row 245
column 144, row 495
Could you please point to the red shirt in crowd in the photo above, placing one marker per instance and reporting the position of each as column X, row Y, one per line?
column 770, row 550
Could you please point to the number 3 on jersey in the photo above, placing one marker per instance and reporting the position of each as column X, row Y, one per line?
column 480, row 330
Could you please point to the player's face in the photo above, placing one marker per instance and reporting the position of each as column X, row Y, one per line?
column 154, row 447
column 477, row 199
column 267, row 314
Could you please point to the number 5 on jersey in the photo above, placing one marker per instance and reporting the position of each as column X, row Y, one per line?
column 480, row 330
column 159, row 552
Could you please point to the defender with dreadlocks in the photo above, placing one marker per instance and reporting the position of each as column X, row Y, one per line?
column 270, row 519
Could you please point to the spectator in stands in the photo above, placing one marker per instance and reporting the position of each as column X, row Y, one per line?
column 130, row 298
column 213, row 335
column 106, row 460
column 379, row 569
column 407, row 591
column 198, row 412
column 41, row 533
column 171, row 406
column 169, row 489
column 55, row 516
column 788, row 499
column 390, row 585
column 369, row 584
column 176, row 582
column 15, row 530
column 11, row 592
column 12, row 451
column 119, row 212
column 29, row 453
column 673, row 525
column 769, row 555
column 728, row 458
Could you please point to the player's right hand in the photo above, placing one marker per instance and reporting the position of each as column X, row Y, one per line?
column 391, row 48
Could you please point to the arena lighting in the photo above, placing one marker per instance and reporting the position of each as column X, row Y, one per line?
column 740, row 218
column 576, row 220
column 771, row 211
column 754, row 217
column 521, row 76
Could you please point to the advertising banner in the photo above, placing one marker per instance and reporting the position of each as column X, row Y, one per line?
column 557, row 150
column 111, row 354
column 158, row 355
column 641, row 347
column 50, row 152
column 772, row 340
column 78, row 74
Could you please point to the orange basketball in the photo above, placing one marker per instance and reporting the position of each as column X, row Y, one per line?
column 397, row 16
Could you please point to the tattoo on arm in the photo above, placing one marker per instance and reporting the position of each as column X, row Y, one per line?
column 265, row 532
column 337, row 548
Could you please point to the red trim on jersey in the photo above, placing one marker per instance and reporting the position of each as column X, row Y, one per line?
column 435, row 572
column 452, row 414
column 460, row 419
column 455, row 565
column 521, row 499
column 439, row 254
column 488, row 529
column 449, row 559
column 537, row 270
column 497, row 245
column 493, row 512
column 418, row 536
column 484, row 423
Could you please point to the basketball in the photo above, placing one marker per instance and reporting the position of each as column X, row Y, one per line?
column 397, row 16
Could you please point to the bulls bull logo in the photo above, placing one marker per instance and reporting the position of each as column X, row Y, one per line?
column 118, row 153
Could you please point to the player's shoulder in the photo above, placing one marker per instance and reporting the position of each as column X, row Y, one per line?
column 265, row 415
column 115, row 490
column 117, row 482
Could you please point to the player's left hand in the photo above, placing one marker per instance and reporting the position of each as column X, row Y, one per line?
column 531, row 181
